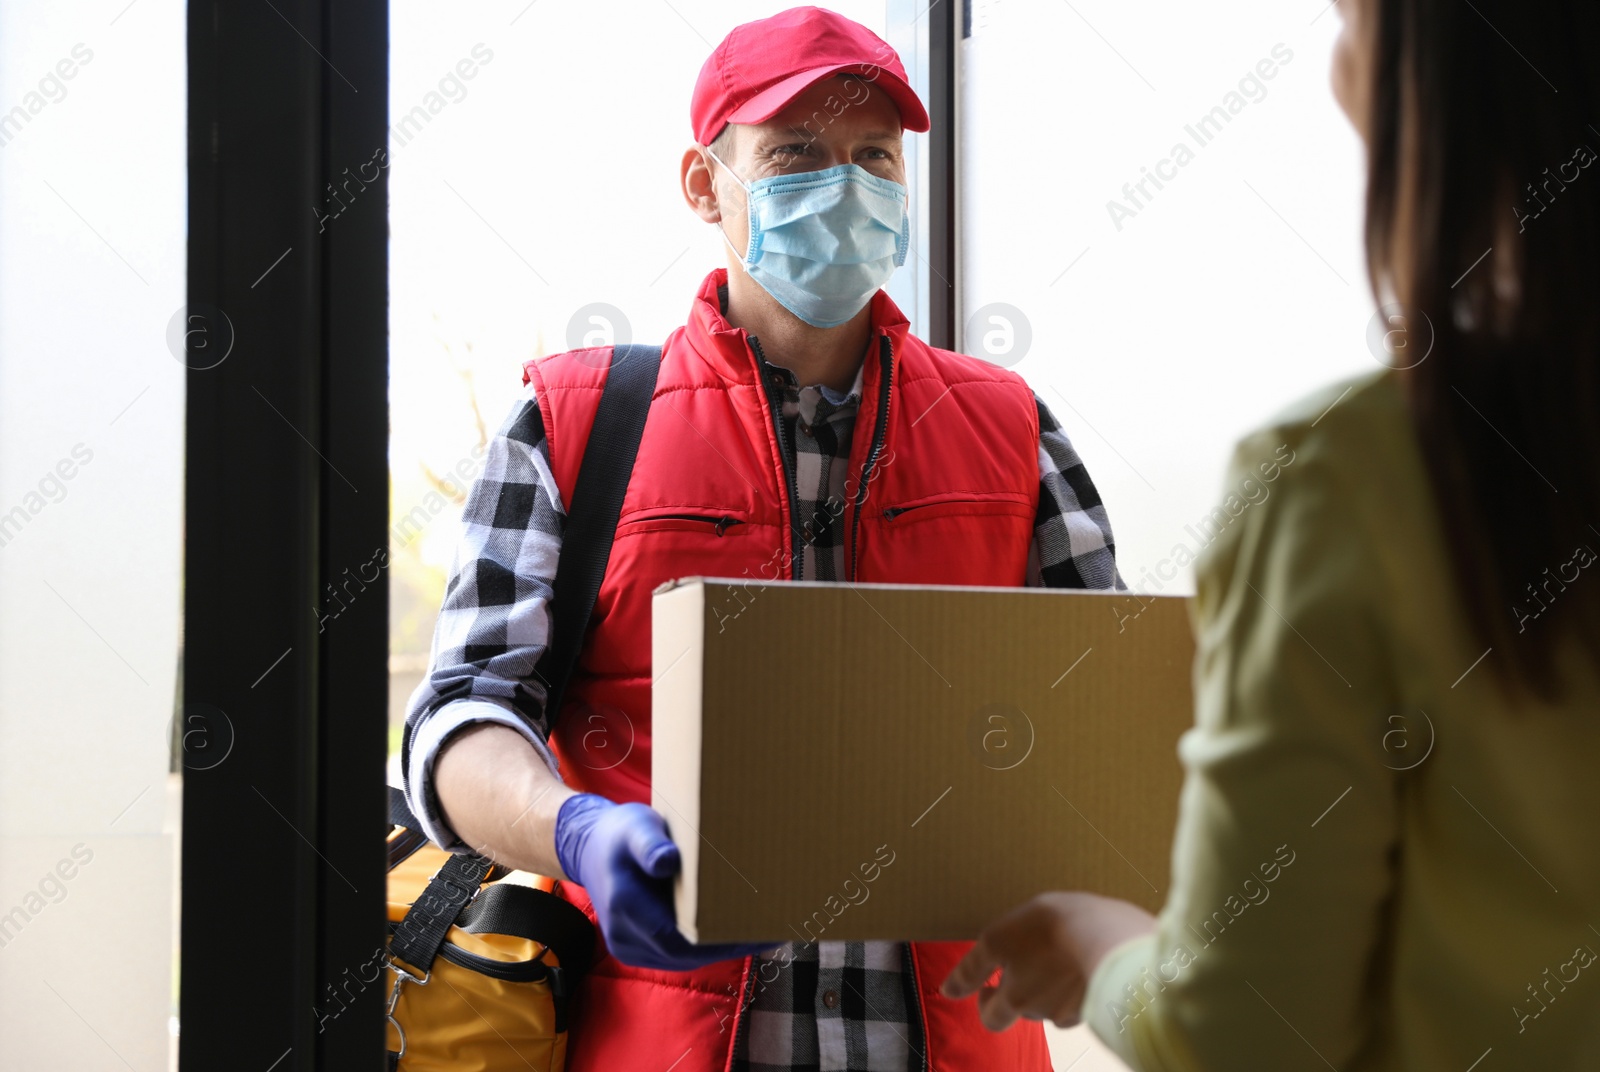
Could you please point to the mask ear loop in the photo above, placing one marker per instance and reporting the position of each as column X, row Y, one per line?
column 903, row 245
column 744, row 258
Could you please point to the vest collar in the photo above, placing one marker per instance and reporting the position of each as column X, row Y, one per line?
column 727, row 349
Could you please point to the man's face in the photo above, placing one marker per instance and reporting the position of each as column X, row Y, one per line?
column 846, row 119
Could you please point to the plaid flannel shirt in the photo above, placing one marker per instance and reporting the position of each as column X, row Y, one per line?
column 846, row 1006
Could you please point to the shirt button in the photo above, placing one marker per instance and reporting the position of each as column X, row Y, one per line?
column 829, row 999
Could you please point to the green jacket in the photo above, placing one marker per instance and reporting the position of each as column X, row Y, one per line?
column 1380, row 861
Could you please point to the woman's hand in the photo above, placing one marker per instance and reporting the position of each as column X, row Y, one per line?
column 1046, row 951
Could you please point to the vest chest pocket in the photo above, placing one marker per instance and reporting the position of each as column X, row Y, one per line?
column 952, row 538
column 663, row 544
column 954, row 505
column 708, row 523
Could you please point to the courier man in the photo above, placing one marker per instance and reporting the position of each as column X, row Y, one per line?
column 798, row 430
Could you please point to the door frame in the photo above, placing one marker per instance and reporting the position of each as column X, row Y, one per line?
column 287, row 501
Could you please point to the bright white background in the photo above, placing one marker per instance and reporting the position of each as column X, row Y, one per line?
column 1239, row 287
column 92, row 219
column 552, row 184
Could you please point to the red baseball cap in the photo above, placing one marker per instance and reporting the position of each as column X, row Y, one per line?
column 761, row 66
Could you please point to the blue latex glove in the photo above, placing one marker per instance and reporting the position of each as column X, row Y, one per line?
column 621, row 854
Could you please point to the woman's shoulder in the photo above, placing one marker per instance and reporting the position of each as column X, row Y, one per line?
column 1347, row 521
column 1351, row 421
column 1336, row 464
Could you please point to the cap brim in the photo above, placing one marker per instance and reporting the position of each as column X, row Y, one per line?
column 772, row 100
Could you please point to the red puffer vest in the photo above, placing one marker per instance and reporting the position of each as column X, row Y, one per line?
column 944, row 485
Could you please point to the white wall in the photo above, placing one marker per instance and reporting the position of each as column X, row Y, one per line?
column 92, row 193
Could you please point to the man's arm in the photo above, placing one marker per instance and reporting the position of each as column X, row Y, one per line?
column 1072, row 544
column 501, row 798
column 478, row 772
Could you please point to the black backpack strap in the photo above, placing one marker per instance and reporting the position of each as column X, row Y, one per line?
column 400, row 811
column 409, row 839
column 592, row 519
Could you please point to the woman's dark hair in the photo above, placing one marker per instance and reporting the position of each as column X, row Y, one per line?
column 1484, row 133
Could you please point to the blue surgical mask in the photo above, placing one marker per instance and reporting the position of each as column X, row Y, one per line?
column 823, row 242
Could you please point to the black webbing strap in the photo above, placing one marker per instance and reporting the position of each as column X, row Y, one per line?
column 592, row 519
column 524, row 912
column 400, row 811
column 560, row 927
column 409, row 840
column 423, row 930
column 419, row 936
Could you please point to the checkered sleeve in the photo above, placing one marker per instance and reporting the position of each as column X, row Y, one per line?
column 494, row 622
column 1072, row 544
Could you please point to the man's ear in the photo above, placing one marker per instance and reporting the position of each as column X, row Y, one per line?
column 699, row 188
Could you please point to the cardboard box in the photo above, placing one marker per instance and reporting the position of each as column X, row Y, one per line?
column 892, row 762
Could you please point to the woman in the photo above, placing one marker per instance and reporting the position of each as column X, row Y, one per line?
column 1388, row 849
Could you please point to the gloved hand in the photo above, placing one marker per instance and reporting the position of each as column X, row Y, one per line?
column 621, row 854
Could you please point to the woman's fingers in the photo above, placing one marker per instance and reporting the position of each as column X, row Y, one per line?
column 1041, row 977
column 1038, row 985
column 1056, row 995
column 995, row 1010
column 1011, row 934
column 973, row 970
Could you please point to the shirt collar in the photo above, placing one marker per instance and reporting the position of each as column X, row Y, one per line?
column 852, row 395
column 818, row 402
column 829, row 395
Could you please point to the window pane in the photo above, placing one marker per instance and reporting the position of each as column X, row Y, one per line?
column 534, row 208
column 92, row 221
column 1177, row 274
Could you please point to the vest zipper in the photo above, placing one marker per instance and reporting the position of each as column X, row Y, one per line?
column 791, row 480
column 889, row 513
column 722, row 524
column 740, row 1020
column 879, row 431
column 921, row 1014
